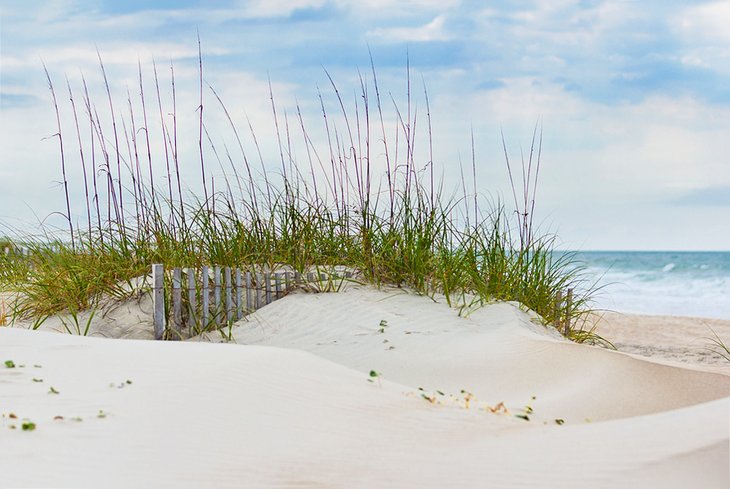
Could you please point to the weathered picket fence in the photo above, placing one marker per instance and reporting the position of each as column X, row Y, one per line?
column 16, row 250
column 211, row 298
column 22, row 251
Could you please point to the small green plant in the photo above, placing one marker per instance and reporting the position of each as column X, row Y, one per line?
column 374, row 375
column 226, row 332
column 38, row 321
column 9, row 364
column 76, row 327
column 28, row 425
column 527, row 410
column 528, row 407
column 719, row 347
column 383, row 325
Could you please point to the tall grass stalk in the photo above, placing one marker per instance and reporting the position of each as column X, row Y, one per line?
column 719, row 347
column 397, row 227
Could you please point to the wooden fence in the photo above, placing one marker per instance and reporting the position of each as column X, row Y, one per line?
column 25, row 251
column 189, row 301
column 16, row 250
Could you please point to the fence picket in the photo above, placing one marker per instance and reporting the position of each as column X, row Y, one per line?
column 177, row 299
column 229, row 296
column 158, row 300
column 267, row 288
column 249, row 301
column 277, row 285
column 217, row 295
column 257, row 292
column 239, row 295
column 205, row 299
column 192, row 311
column 567, row 311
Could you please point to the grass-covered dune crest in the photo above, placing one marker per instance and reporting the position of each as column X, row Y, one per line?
column 361, row 189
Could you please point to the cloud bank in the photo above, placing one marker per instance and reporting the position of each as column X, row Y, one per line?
column 634, row 96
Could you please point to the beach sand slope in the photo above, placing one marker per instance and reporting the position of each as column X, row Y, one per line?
column 294, row 405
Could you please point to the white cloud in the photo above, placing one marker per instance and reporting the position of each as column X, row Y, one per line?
column 705, row 36
column 555, row 24
column 388, row 7
column 275, row 8
column 78, row 55
column 650, row 150
column 707, row 21
column 433, row 31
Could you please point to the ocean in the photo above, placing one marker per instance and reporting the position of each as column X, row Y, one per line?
column 664, row 283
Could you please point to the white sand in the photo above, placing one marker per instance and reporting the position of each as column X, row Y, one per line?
column 295, row 408
column 675, row 339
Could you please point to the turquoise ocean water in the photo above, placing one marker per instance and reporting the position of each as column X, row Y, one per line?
column 666, row 283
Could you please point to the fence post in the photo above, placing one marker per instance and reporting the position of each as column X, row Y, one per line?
column 239, row 295
column 567, row 310
column 277, row 285
column 229, row 295
column 158, row 299
column 267, row 286
column 205, row 299
column 249, row 301
column 257, row 293
column 559, row 310
column 192, row 314
column 177, row 299
column 217, row 294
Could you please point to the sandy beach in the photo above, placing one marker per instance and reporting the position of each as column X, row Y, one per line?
column 681, row 340
column 364, row 388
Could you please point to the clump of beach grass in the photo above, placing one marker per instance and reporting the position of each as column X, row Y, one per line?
column 719, row 347
column 366, row 197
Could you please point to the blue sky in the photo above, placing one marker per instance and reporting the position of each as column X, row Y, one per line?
column 634, row 97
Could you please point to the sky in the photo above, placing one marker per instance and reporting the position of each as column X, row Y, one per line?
column 632, row 97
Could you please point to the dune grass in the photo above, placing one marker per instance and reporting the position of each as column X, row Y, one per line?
column 366, row 198
column 718, row 346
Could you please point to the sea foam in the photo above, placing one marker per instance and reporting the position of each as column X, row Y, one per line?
column 665, row 283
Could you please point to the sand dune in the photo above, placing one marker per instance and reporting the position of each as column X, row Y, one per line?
column 293, row 405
